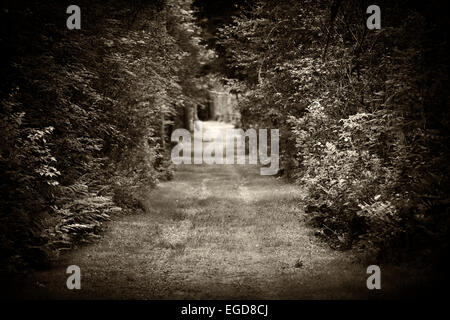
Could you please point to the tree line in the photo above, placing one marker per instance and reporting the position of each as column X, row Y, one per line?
column 363, row 114
column 86, row 116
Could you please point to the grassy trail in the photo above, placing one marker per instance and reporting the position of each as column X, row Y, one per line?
column 213, row 232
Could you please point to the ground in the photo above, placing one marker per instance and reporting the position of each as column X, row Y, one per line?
column 213, row 232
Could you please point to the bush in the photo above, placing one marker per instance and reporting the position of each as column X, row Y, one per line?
column 84, row 116
column 363, row 115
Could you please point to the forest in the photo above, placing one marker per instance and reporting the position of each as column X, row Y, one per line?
column 363, row 115
column 86, row 115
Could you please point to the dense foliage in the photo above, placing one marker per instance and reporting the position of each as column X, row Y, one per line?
column 363, row 114
column 85, row 115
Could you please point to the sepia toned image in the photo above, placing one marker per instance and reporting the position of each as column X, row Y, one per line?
column 224, row 150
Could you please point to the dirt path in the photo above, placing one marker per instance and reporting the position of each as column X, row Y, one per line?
column 214, row 232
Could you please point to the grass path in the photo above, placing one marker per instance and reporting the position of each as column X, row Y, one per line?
column 214, row 232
